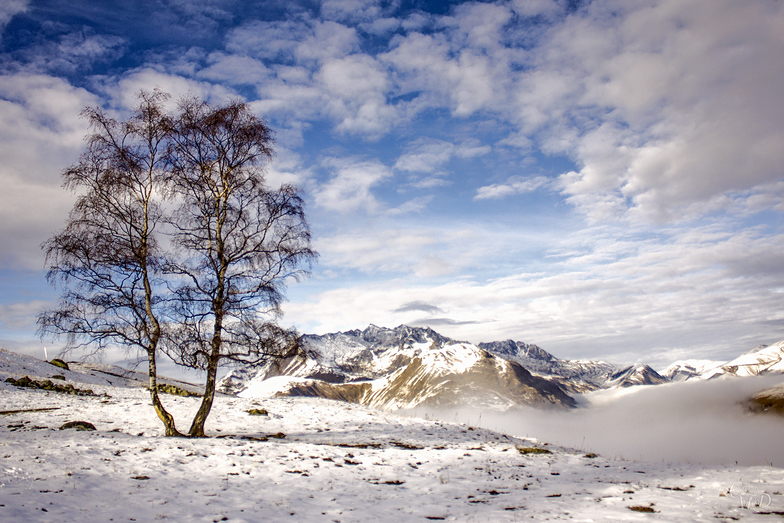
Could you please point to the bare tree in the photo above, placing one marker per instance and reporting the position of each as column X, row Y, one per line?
column 238, row 243
column 215, row 295
column 107, row 258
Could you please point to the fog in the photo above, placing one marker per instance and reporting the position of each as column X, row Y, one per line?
column 695, row 422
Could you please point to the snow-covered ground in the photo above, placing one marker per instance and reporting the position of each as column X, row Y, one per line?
column 337, row 462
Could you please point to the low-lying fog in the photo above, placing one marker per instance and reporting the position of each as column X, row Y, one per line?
column 697, row 422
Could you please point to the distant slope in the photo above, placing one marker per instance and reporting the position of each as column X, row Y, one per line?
column 16, row 366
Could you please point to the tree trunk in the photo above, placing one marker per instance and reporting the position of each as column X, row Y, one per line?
column 197, row 427
column 163, row 414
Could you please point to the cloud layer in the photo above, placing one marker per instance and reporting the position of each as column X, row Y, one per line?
column 690, row 422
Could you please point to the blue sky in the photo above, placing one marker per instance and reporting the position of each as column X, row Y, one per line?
column 603, row 179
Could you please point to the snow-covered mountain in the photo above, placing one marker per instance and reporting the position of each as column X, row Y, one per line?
column 765, row 359
column 572, row 375
column 638, row 374
column 683, row 370
column 759, row 361
column 398, row 368
column 407, row 367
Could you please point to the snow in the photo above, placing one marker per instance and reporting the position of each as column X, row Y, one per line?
column 757, row 361
column 270, row 386
column 337, row 462
column 454, row 358
column 686, row 369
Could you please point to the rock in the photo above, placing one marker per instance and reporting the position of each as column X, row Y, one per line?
column 48, row 385
column 174, row 390
column 78, row 425
column 257, row 412
column 59, row 363
column 770, row 400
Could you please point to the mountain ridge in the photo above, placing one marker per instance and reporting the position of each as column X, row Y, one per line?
column 405, row 367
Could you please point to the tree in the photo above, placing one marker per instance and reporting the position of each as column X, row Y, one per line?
column 193, row 182
column 237, row 240
column 107, row 258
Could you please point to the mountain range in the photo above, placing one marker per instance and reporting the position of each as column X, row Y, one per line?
column 407, row 367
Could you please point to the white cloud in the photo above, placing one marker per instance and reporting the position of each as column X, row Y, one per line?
column 123, row 93
column 40, row 134
column 356, row 10
column 328, row 40
column 349, row 189
column 356, row 87
column 425, row 156
column 416, row 21
column 286, row 167
column 431, row 157
column 381, row 26
column 415, row 205
column 464, row 80
column 480, row 25
column 69, row 53
column 321, row 75
column 513, row 186
column 377, row 251
column 9, row 9
column 293, row 40
column 269, row 40
column 531, row 8
column 234, row 69
column 472, row 148
column 664, row 105
column 20, row 316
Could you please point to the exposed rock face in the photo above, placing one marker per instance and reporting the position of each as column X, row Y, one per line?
column 351, row 392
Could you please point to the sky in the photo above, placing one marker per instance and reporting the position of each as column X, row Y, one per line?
column 601, row 178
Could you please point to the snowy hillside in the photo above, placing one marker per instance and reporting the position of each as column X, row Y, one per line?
column 311, row 459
